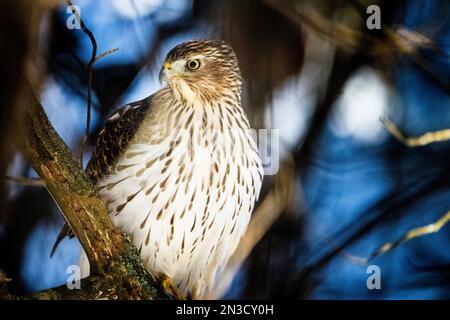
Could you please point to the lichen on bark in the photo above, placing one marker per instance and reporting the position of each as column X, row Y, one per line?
column 117, row 271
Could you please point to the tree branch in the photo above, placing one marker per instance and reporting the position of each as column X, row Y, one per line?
column 66, row 182
column 90, row 71
column 89, row 68
column 279, row 198
column 115, row 264
column 25, row 181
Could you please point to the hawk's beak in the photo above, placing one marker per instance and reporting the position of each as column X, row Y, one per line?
column 164, row 71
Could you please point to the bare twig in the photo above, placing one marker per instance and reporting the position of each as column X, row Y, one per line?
column 29, row 182
column 411, row 234
column 337, row 32
column 106, row 53
column 350, row 257
column 420, row 141
column 89, row 68
column 423, row 140
column 115, row 264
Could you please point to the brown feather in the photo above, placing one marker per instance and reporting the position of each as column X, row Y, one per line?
column 112, row 141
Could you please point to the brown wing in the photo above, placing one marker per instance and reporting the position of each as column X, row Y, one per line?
column 114, row 137
column 112, row 140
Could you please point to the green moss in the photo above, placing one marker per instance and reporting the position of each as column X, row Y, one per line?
column 51, row 147
column 136, row 269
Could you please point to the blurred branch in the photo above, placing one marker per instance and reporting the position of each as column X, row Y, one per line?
column 420, row 141
column 3, row 283
column 104, row 54
column 411, row 234
column 408, row 43
column 90, row 69
column 412, row 142
column 394, row 43
column 29, row 182
column 423, row 140
column 312, row 18
column 116, row 268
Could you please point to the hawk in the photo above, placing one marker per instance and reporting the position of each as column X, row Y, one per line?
column 180, row 171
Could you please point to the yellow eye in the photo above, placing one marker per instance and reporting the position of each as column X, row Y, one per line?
column 193, row 64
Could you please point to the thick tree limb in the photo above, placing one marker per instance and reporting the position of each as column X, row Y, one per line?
column 118, row 272
column 25, row 181
column 66, row 182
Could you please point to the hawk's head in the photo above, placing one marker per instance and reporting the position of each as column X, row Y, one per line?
column 202, row 69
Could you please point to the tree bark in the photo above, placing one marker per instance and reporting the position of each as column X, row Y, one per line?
column 116, row 267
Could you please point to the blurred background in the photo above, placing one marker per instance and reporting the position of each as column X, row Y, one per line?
column 313, row 70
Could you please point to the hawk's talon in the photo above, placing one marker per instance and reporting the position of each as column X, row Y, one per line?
column 170, row 288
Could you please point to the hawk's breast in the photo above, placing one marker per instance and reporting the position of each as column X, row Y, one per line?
column 184, row 189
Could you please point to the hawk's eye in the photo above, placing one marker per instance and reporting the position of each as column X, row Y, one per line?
column 193, row 64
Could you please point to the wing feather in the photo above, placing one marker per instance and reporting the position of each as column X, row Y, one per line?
column 113, row 139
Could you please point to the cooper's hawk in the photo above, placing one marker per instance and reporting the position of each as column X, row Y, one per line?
column 180, row 170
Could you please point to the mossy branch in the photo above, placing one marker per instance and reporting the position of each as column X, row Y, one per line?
column 70, row 188
column 116, row 268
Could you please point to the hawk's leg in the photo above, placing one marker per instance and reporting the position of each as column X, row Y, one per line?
column 170, row 288
column 423, row 140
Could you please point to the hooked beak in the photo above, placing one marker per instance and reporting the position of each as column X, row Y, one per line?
column 163, row 74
